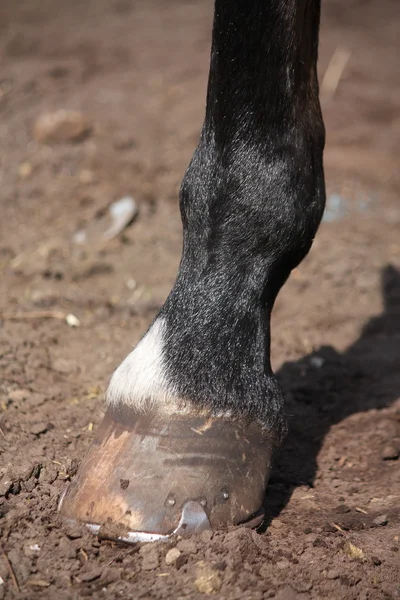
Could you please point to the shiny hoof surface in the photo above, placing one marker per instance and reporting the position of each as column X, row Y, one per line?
column 149, row 476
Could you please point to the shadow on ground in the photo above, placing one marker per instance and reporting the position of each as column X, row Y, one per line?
column 365, row 377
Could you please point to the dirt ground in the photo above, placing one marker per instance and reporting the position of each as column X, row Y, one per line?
column 137, row 72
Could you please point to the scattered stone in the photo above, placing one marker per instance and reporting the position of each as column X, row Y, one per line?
column 333, row 574
column 307, row 530
column 86, row 176
column 172, row 555
column 58, row 72
column 303, row 586
column 75, row 531
column 107, row 225
column 15, row 474
column 29, row 486
column 72, row 320
column 208, row 580
column 49, row 474
column 91, row 575
column 110, row 575
column 31, row 548
column 206, row 536
column 181, row 561
column 92, row 269
column 5, row 486
column 188, row 546
column 72, row 466
column 376, row 561
column 111, row 530
column 19, row 395
column 390, row 452
column 286, row 593
column 39, row 428
column 25, row 170
column 22, row 471
column 349, row 580
column 319, row 542
column 61, row 126
column 15, row 488
column 328, row 528
column 342, row 509
column 66, row 548
column 63, row 365
column 277, row 524
column 380, row 521
column 124, row 142
column 150, row 559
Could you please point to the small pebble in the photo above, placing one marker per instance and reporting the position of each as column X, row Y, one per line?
column 64, row 365
column 123, row 142
column 25, row 170
column 61, row 126
column 389, row 452
column 307, row 530
column 172, row 555
column 74, row 532
column 19, row 395
column 110, row 575
column 333, row 574
column 71, row 467
column 72, row 320
column 91, row 575
column 38, row 428
column 277, row 524
column 342, row 509
column 86, row 176
column 150, row 559
column 380, row 521
column 32, row 548
column 49, row 474
column 286, row 593
column 303, row 586
column 66, row 548
column 5, row 486
column 206, row 536
column 188, row 546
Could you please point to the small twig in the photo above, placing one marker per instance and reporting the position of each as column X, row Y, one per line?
column 41, row 314
column 85, row 556
column 338, row 528
column 12, row 573
column 3, row 434
column 361, row 510
column 334, row 72
column 36, row 314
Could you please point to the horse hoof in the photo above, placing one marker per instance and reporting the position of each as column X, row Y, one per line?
column 149, row 476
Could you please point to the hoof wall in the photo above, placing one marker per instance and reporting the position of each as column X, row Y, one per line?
column 147, row 477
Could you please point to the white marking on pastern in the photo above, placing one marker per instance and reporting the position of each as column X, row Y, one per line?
column 141, row 379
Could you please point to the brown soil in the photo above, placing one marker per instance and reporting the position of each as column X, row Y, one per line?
column 137, row 71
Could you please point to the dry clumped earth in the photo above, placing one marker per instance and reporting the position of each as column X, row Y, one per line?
column 129, row 79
